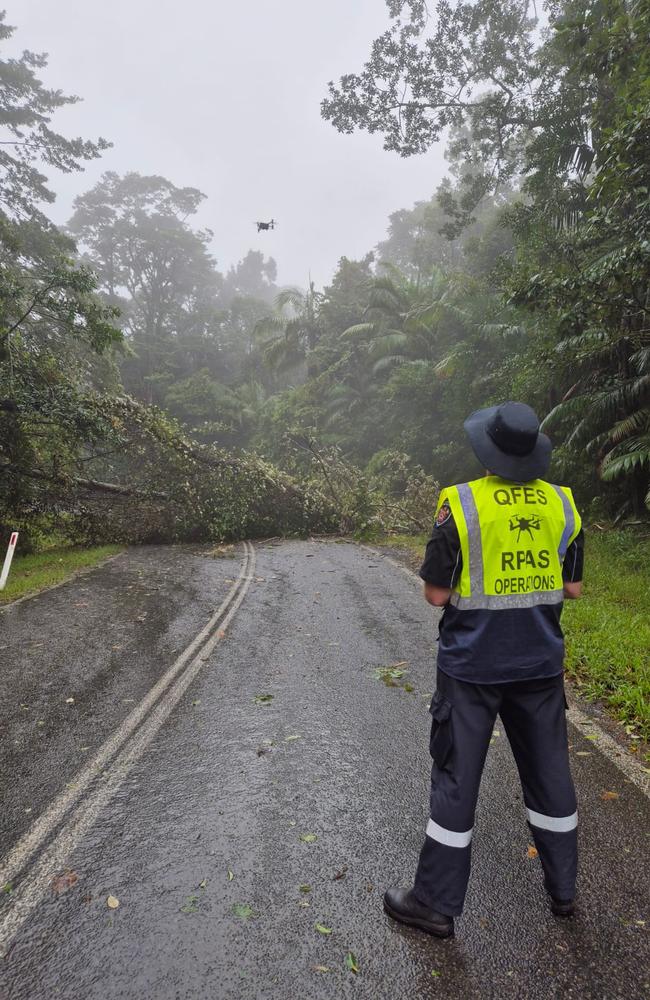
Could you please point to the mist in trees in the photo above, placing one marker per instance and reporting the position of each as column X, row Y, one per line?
column 139, row 372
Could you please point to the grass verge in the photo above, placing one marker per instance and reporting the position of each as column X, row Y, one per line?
column 32, row 573
column 607, row 631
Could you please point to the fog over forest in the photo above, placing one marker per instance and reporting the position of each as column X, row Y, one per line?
column 225, row 98
column 461, row 204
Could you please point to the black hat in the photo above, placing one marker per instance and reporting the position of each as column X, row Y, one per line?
column 507, row 440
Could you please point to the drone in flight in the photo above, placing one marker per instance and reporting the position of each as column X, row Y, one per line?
column 263, row 226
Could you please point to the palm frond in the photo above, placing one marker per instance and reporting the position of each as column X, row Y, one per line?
column 388, row 361
column 577, row 156
column 290, row 296
column 630, row 425
column 359, row 331
column 502, row 331
column 266, row 327
column 388, row 342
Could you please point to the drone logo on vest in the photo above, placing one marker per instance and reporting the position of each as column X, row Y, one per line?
column 525, row 525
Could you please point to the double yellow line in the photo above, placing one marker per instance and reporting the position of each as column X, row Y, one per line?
column 60, row 828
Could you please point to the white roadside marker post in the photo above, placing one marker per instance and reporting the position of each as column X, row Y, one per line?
column 9, row 556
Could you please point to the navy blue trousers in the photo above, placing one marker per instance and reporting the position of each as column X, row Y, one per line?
column 463, row 715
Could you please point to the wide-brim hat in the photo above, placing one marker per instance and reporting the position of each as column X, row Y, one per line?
column 508, row 442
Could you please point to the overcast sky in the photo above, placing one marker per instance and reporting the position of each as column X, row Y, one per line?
column 225, row 97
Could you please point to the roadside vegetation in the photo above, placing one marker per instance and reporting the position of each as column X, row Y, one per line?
column 607, row 630
column 35, row 572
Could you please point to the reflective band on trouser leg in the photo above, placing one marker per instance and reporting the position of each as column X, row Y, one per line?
column 449, row 837
column 569, row 522
column 470, row 510
column 442, row 876
column 558, row 853
column 557, row 824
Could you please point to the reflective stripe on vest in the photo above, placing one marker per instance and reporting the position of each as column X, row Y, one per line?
column 569, row 522
column 528, row 528
column 473, row 524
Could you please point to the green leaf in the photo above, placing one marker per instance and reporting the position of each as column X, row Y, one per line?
column 322, row 929
column 308, row 838
column 190, row 905
column 435, row 973
column 243, row 911
column 305, row 887
column 231, row 875
column 351, row 962
column 263, row 699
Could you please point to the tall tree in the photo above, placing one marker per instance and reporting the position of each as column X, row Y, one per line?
column 153, row 266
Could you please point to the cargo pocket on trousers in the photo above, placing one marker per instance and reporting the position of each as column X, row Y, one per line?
column 441, row 740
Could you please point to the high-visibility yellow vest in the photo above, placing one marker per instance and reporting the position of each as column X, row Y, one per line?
column 513, row 539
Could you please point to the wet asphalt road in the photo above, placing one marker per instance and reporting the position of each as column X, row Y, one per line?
column 232, row 781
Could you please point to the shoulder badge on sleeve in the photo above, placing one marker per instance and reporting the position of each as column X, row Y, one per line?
column 443, row 514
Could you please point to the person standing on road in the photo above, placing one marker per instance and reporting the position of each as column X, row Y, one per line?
column 505, row 551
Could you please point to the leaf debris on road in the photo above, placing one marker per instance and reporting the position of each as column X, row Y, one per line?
column 190, row 905
column 64, row 881
column 392, row 674
column 351, row 962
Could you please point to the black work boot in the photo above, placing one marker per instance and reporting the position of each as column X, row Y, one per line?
column 401, row 904
column 562, row 907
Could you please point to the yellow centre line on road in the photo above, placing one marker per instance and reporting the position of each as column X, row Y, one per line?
column 149, row 716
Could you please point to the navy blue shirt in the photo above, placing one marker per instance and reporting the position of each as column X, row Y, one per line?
column 489, row 646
